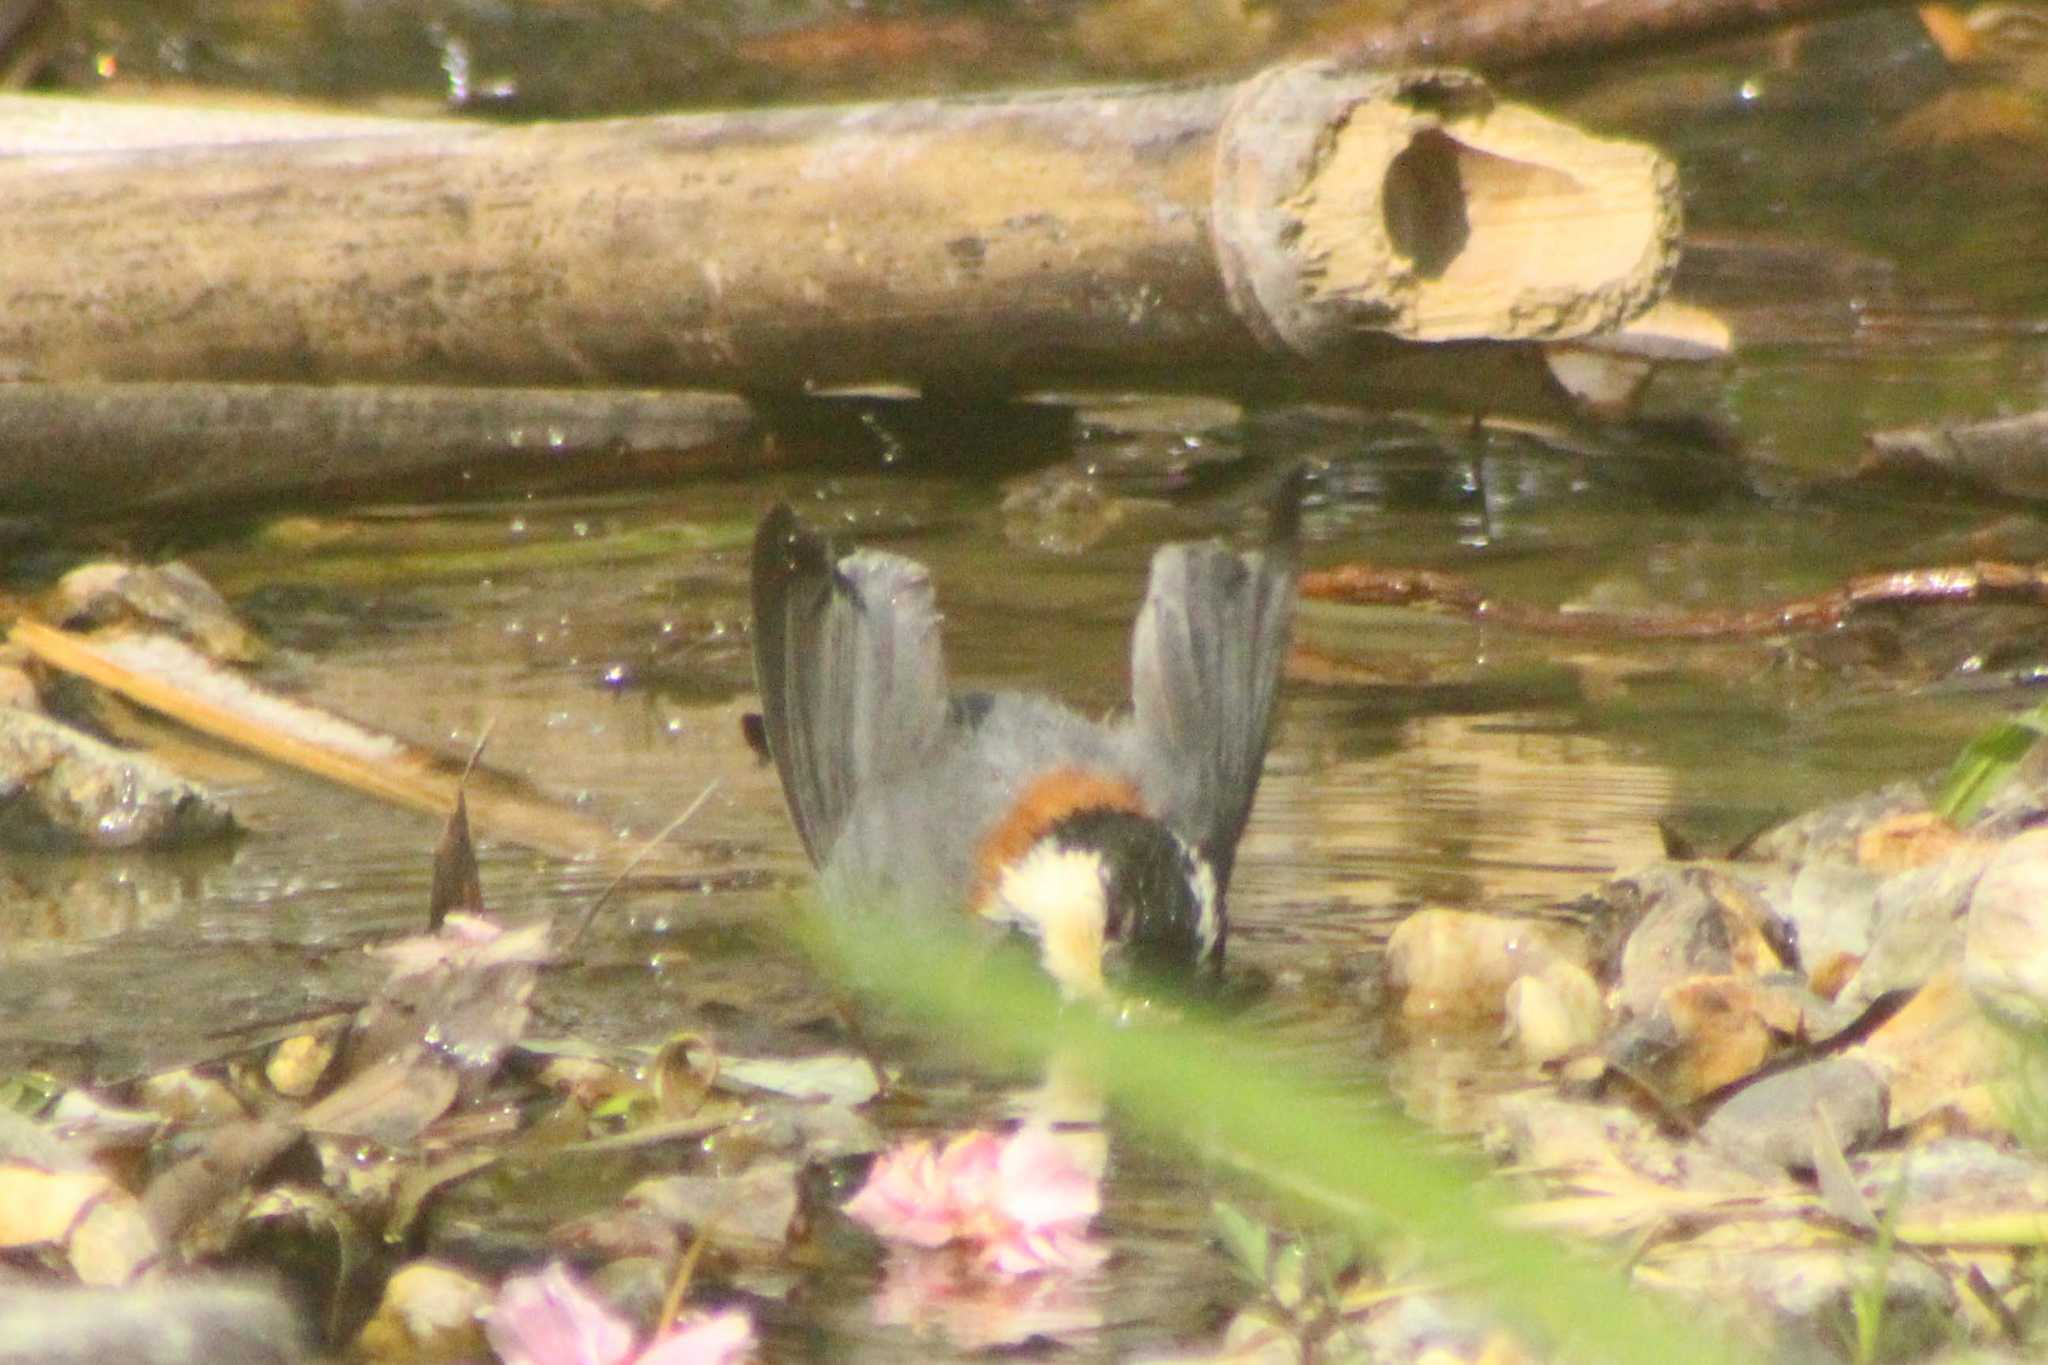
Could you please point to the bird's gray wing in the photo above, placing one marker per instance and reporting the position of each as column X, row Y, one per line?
column 846, row 652
column 1205, row 671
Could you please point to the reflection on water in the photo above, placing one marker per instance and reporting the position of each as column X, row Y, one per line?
column 1499, row 810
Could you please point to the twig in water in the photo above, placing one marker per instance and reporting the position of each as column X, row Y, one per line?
column 1985, row 582
column 1502, row 35
column 645, row 849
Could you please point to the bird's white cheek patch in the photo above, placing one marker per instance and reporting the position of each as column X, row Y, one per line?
column 1056, row 895
column 1072, row 951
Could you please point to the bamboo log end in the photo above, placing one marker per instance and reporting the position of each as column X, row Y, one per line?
column 1420, row 206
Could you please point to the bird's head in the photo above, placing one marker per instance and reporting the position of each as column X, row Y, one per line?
column 1104, row 888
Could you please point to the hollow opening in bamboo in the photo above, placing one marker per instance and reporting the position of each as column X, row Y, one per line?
column 1493, row 223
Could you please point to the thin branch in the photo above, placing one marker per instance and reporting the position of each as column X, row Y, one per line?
column 1984, row 583
column 1504, row 35
column 646, row 850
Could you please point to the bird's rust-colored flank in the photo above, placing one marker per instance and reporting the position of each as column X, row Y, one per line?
column 1040, row 806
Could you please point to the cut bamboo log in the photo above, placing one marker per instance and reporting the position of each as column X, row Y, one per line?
column 1217, row 237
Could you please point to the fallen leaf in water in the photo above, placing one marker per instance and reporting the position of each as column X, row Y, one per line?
column 832, row 1079
column 457, row 883
column 753, row 1212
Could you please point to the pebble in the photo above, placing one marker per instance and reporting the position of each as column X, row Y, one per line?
column 1457, row 965
column 2005, row 947
column 1699, row 922
column 1770, row 1125
column 1554, row 1012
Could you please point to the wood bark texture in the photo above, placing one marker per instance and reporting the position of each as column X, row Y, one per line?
column 1180, row 237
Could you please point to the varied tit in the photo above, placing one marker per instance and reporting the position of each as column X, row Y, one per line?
column 1093, row 838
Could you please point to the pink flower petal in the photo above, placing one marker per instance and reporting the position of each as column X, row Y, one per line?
column 941, row 1292
column 1023, row 1203
column 551, row 1319
column 1035, row 1251
column 718, row 1339
column 906, row 1199
column 1042, row 1182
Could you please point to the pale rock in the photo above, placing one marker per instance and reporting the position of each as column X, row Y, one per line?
column 1455, row 966
column 1554, row 1012
column 2005, row 946
column 429, row 1312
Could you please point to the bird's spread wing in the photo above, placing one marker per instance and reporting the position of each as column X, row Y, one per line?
column 1205, row 671
column 853, row 684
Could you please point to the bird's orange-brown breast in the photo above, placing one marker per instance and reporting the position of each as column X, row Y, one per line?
column 1041, row 805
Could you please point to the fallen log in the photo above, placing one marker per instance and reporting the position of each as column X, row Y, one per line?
column 107, row 447
column 2001, row 456
column 1218, row 237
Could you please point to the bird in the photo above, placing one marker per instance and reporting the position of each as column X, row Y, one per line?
column 1109, row 843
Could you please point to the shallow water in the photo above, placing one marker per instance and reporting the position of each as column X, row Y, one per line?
column 1466, row 767
column 1449, row 765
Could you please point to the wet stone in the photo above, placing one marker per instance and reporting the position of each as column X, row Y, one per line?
column 1831, row 906
column 1955, row 1177
column 1941, row 1055
column 1770, row 1125
column 61, row 788
column 1915, row 927
column 169, row 595
column 1812, row 1294
column 170, row 1325
column 2005, row 954
column 1554, row 1012
column 1697, row 922
column 1833, row 832
column 1457, row 965
column 1422, row 1327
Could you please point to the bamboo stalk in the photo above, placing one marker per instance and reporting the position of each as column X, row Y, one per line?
column 1180, row 237
column 375, row 765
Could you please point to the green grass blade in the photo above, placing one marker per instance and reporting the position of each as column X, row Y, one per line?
column 1342, row 1155
column 1987, row 761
